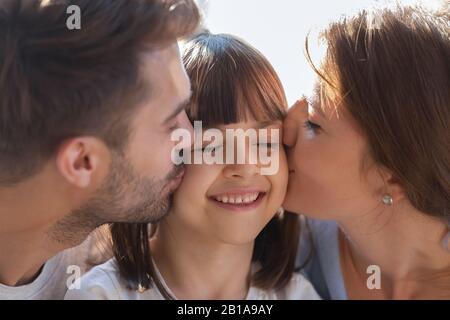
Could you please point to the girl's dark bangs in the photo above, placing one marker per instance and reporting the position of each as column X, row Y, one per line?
column 226, row 102
column 234, row 84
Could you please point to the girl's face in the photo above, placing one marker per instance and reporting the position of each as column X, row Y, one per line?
column 231, row 203
column 327, row 178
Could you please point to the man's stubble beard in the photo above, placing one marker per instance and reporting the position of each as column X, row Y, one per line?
column 124, row 196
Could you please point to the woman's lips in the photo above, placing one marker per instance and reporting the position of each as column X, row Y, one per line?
column 238, row 201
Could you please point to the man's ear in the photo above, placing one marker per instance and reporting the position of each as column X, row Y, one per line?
column 83, row 161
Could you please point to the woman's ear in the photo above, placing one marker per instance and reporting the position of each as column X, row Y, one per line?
column 83, row 161
column 391, row 185
column 395, row 189
column 384, row 184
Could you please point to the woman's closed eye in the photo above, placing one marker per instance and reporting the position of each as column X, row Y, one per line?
column 311, row 126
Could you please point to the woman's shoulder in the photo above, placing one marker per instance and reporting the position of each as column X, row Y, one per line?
column 298, row 288
column 318, row 238
column 316, row 235
column 320, row 228
column 318, row 256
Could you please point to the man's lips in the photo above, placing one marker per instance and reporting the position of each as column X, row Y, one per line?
column 176, row 181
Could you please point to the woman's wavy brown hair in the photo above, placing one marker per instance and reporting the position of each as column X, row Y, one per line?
column 390, row 69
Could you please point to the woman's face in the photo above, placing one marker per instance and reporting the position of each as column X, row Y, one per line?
column 231, row 203
column 326, row 175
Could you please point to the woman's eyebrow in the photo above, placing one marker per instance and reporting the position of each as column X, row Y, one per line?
column 317, row 110
column 315, row 100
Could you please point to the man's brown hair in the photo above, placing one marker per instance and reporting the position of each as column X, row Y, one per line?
column 57, row 83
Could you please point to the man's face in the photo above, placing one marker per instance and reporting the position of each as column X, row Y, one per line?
column 142, row 176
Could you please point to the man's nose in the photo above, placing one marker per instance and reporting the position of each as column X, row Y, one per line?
column 185, row 123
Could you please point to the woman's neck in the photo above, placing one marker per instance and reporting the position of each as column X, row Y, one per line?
column 194, row 267
column 406, row 245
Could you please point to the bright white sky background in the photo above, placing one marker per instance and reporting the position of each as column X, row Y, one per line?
column 278, row 28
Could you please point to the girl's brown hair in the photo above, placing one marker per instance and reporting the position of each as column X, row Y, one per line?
column 391, row 71
column 231, row 82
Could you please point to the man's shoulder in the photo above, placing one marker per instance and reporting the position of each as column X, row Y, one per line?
column 59, row 272
column 93, row 251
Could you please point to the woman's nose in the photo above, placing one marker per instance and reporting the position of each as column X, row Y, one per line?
column 296, row 116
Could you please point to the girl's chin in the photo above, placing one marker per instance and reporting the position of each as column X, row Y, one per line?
column 240, row 237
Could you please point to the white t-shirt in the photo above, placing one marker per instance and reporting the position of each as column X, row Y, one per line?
column 52, row 282
column 105, row 283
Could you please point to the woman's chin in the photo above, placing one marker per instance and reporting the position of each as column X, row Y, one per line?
column 291, row 203
column 298, row 205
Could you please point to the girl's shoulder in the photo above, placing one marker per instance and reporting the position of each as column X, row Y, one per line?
column 298, row 288
column 104, row 282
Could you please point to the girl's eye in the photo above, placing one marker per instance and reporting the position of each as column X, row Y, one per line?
column 311, row 126
column 174, row 127
column 210, row 149
column 269, row 145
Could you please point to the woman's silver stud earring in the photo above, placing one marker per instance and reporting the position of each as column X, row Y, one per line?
column 387, row 200
column 280, row 211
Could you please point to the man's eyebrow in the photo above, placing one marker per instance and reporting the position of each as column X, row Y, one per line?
column 180, row 108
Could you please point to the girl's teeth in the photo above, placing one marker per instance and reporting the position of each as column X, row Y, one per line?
column 248, row 198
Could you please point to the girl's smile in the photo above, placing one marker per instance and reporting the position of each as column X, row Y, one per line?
column 244, row 199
